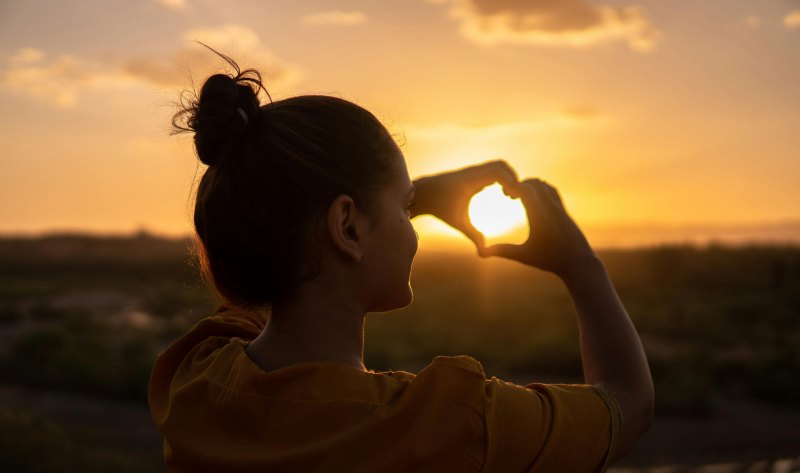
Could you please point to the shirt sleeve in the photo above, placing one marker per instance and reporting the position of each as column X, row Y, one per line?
column 549, row 427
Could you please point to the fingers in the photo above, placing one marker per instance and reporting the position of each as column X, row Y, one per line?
column 547, row 218
column 537, row 201
column 553, row 194
column 474, row 235
column 504, row 250
column 503, row 173
column 496, row 171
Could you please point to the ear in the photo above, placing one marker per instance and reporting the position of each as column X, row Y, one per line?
column 346, row 227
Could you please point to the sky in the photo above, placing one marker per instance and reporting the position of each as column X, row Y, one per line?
column 648, row 116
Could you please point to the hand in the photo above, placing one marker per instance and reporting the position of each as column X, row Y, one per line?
column 447, row 195
column 555, row 243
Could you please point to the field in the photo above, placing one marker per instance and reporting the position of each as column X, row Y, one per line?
column 82, row 318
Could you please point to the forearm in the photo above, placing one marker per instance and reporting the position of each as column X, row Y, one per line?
column 611, row 350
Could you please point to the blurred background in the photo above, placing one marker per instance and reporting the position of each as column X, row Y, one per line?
column 670, row 129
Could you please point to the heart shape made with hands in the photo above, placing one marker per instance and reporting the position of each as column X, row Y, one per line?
column 500, row 218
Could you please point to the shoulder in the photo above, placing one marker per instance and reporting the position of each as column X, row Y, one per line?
column 447, row 374
column 191, row 355
column 546, row 424
column 458, row 363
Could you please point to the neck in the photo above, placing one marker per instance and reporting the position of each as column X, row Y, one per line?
column 311, row 328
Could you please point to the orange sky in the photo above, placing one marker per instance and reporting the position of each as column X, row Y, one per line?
column 644, row 114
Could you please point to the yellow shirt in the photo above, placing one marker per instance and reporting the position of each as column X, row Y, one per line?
column 218, row 411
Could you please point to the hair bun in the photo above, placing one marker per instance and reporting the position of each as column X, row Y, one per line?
column 220, row 115
column 218, row 123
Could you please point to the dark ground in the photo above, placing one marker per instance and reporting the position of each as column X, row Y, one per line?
column 82, row 319
column 743, row 436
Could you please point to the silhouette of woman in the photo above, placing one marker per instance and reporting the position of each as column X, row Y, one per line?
column 303, row 220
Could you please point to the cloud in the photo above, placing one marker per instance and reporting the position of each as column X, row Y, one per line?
column 335, row 18
column 239, row 42
column 61, row 80
column 752, row 22
column 56, row 81
column 175, row 5
column 792, row 19
column 568, row 117
column 551, row 22
column 579, row 112
column 27, row 56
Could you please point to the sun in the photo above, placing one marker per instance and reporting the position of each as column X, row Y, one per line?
column 494, row 214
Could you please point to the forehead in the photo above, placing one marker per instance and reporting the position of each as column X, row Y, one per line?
column 401, row 176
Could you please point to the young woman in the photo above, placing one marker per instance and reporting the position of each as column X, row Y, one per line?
column 304, row 225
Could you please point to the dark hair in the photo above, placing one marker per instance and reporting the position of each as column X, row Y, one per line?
column 273, row 169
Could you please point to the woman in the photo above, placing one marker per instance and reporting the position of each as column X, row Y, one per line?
column 304, row 213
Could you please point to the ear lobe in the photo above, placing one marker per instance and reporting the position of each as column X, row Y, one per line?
column 343, row 221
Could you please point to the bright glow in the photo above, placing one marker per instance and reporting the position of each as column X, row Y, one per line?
column 495, row 214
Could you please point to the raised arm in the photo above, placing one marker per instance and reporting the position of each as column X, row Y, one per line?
column 611, row 351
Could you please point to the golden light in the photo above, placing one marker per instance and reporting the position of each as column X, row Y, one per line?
column 496, row 215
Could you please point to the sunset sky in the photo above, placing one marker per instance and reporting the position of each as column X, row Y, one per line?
column 645, row 113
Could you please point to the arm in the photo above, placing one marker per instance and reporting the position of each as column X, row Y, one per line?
column 611, row 351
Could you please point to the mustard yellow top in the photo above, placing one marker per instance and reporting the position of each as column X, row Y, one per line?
column 218, row 411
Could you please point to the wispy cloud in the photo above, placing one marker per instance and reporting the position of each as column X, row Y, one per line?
column 57, row 80
column 62, row 79
column 792, row 19
column 240, row 42
column 581, row 112
column 547, row 22
column 752, row 22
column 526, row 142
column 175, row 5
column 570, row 116
column 335, row 18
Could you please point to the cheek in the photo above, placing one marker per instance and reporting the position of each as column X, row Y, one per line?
column 410, row 237
column 414, row 238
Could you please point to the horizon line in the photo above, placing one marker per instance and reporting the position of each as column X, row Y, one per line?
column 605, row 236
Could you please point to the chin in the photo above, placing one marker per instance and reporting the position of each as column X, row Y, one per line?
column 402, row 299
column 408, row 297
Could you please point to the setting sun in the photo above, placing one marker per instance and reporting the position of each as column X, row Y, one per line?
column 494, row 214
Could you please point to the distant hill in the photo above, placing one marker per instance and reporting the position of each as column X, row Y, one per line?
column 611, row 235
column 604, row 236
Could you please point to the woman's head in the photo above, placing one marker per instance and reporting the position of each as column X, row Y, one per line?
column 273, row 172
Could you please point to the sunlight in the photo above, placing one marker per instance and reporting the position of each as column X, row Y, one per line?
column 494, row 214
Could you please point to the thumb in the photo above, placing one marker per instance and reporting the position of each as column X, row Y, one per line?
column 475, row 236
column 503, row 250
